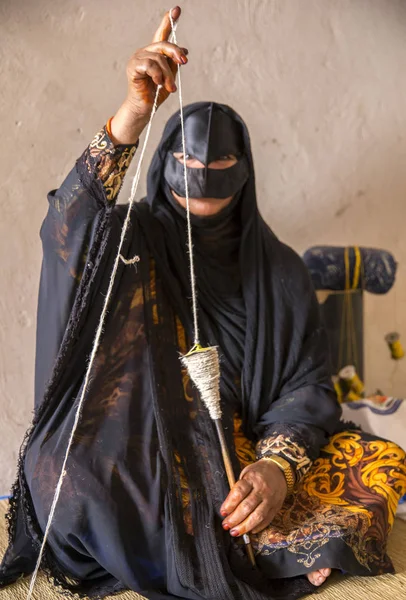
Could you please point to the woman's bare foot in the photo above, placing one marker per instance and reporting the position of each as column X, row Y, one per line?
column 319, row 577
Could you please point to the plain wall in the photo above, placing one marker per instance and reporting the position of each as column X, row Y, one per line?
column 320, row 83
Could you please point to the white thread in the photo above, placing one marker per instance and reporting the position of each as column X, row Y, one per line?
column 94, row 348
column 130, row 261
column 204, row 364
column 189, row 225
column 204, row 369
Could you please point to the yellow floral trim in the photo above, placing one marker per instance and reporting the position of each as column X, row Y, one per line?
column 383, row 470
column 109, row 162
column 305, row 524
column 351, row 493
column 101, row 141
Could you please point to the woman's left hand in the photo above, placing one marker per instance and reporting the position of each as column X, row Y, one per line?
column 255, row 499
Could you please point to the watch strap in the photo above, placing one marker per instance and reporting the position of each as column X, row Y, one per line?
column 285, row 467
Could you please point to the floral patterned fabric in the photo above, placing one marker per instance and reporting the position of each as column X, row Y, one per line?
column 346, row 500
column 108, row 162
column 286, row 447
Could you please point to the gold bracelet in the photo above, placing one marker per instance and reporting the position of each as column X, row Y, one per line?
column 285, row 467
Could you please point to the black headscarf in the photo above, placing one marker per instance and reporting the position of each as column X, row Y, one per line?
column 274, row 333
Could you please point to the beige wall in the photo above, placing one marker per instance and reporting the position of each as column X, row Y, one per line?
column 321, row 84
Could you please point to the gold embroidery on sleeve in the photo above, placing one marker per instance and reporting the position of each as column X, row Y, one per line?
column 279, row 444
column 109, row 162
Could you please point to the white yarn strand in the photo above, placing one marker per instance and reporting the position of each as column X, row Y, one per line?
column 203, row 365
column 189, row 225
column 130, row 261
column 96, row 343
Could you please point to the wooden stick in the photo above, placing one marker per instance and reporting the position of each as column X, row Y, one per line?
column 231, row 482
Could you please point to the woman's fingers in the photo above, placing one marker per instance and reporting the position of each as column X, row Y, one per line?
column 267, row 521
column 160, row 41
column 150, row 68
column 156, row 67
column 239, row 492
column 153, row 61
column 254, row 511
column 255, row 522
column 176, row 53
column 245, row 508
column 164, row 30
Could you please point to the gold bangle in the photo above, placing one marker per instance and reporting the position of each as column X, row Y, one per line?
column 285, row 467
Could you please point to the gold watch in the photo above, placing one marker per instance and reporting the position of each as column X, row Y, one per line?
column 285, row 467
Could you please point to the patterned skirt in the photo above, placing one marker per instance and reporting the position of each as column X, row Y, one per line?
column 341, row 513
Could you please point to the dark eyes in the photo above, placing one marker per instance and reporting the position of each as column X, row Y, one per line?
column 225, row 157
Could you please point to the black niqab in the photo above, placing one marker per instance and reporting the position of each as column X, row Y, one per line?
column 210, row 134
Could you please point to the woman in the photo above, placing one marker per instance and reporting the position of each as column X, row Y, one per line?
column 145, row 504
